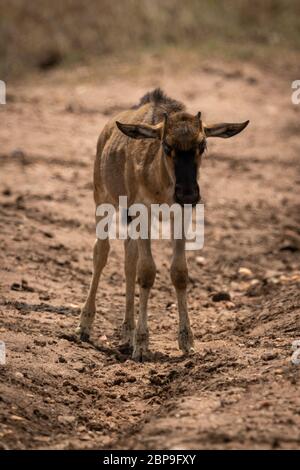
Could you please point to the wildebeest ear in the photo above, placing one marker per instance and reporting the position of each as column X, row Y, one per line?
column 140, row 131
column 224, row 129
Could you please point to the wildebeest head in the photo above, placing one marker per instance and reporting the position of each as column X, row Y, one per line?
column 183, row 141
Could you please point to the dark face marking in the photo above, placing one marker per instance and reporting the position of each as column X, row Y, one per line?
column 183, row 142
column 186, row 187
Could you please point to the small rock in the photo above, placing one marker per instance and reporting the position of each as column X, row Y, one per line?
column 79, row 367
column 6, row 192
column 74, row 305
column 66, row 419
column 62, row 359
column 131, row 378
column 192, row 280
column 264, row 404
column 200, row 260
column 26, row 287
column 255, row 288
column 48, row 234
column 118, row 381
column 42, row 438
column 252, row 80
column 170, row 305
column 16, row 286
column 18, row 154
column 230, row 305
column 81, row 428
column 20, row 203
column 62, row 262
column 245, row 272
column 85, row 437
column 40, row 342
column 70, row 108
column 269, row 356
column 291, row 241
column 189, row 364
column 220, row 296
column 44, row 297
column 96, row 425
column 19, row 375
column 16, row 418
column 50, row 59
column 289, row 246
column 21, row 287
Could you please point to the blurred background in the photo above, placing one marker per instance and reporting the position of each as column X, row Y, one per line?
column 51, row 33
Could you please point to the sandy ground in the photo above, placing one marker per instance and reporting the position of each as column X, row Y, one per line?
column 240, row 389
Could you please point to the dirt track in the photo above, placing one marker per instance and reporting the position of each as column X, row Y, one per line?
column 240, row 389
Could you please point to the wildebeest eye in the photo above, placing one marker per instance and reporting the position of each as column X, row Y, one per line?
column 167, row 149
column 202, row 146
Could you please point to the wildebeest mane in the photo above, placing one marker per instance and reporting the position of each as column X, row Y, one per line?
column 161, row 102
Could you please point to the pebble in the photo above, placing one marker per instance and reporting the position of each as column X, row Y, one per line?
column 44, row 297
column 66, row 419
column 6, row 192
column 200, row 260
column 16, row 418
column 245, row 272
column 269, row 356
column 220, row 296
column 264, row 404
column 170, row 305
column 81, row 428
column 19, row 375
column 296, row 345
column 40, row 342
column 48, row 234
column 230, row 305
column 18, row 154
column 79, row 366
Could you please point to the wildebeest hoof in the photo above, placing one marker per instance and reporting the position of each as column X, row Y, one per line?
column 141, row 354
column 84, row 337
column 140, row 346
column 83, row 334
column 186, row 341
column 127, row 335
column 190, row 352
column 125, row 348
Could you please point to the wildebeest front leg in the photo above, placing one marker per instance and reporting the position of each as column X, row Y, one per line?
column 100, row 254
column 131, row 255
column 146, row 276
column 179, row 276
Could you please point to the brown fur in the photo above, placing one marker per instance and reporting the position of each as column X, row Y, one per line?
column 131, row 160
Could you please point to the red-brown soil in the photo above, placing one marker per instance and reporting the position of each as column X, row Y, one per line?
column 240, row 389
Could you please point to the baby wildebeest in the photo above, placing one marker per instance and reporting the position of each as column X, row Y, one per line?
column 151, row 154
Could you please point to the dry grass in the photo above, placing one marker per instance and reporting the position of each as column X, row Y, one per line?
column 45, row 33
